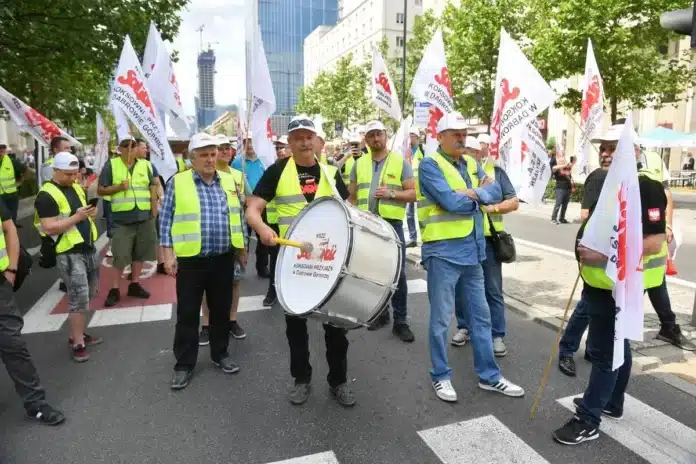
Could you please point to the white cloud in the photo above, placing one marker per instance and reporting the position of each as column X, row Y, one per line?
column 224, row 22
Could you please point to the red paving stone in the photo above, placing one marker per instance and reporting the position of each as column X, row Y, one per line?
column 161, row 287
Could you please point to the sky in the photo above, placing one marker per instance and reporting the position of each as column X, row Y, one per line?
column 224, row 29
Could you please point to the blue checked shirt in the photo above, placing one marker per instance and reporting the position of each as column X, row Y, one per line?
column 215, row 222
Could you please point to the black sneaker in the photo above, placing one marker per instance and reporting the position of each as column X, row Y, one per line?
column 381, row 321
column 344, row 395
column 46, row 415
column 575, row 432
column 566, row 364
column 299, row 393
column 137, row 291
column 608, row 411
column 236, row 330
column 403, row 331
column 160, row 269
column 264, row 273
column 553, row 221
column 227, row 365
column 675, row 336
column 180, row 380
column 112, row 298
column 62, row 287
column 270, row 299
column 204, row 336
column 563, row 221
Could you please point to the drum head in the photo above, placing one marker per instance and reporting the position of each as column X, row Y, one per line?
column 306, row 280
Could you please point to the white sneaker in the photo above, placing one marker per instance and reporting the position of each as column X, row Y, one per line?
column 461, row 337
column 499, row 349
column 445, row 391
column 109, row 254
column 503, row 386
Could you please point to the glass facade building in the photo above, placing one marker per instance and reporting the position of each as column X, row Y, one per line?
column 284, row 25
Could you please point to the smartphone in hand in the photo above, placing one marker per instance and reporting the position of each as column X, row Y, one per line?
column 93, row 202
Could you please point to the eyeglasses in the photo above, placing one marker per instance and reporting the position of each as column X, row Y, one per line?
column 300, row 124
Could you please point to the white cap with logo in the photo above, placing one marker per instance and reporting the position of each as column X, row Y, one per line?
column 472, row 143
column 452, row 121
column 222, row 139
column 66, row 161
column 484, row 138
column 613, row 134
column 202, row 140
column 300, row 122
column 374, row 126
column 414, row 131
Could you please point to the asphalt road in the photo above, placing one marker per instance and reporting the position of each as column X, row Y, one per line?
column 120, row 408
column 539, row 230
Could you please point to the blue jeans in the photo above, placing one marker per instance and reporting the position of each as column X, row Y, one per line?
column 399, row 298
column 493, row 282
column 572, row 335
column 411, row 222
column 445, row 280
column 606, row 387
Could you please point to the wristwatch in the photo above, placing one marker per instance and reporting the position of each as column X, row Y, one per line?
column 392, row 194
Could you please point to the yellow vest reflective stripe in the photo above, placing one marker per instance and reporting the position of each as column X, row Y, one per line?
column 654, row 267
column 390, row 177
column 186, row 225
column 7, row 176
column 497, row 219
column 348, row 168
column 4, row 257
column 271, row 212
column 138, row 192
column 436, row 223
column 290, row 200
column 71, row 237
column 416, row 159
column 180, row 164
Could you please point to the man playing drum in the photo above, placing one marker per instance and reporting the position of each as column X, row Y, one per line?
column 294, row 183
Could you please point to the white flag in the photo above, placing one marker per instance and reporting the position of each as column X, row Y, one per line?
column 131, row 94
column 101, row 149
column 592, row 111
column 432, row 84
column 520, row 95
column 263, row 106
column 31, row 121
column 123, row 130
column 615, row 229
column 383, row 89
column 536, row 171
column 161, row 79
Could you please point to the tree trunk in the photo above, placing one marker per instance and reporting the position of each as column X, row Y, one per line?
column 614, row 110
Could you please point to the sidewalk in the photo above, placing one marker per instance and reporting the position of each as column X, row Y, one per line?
column 538, row 285
column 26, row 207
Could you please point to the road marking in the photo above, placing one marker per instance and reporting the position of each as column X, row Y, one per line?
column 570, row 254
column 322, row 458
column 652, row 435
column 484, row 439
column 153, row 313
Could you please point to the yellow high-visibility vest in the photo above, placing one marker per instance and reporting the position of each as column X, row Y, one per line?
column 138, row 191
column 390, row 177
column 8, row 184
column 348, row 168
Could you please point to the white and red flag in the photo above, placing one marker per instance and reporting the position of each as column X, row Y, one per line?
column 383, row 89
column 101, row 149
column 536, row 171
column 432, row 84
column 520, row 95
column 263, row 104
column 31, row 121
column 615, row 229
column 130, row 94
column 592, row 111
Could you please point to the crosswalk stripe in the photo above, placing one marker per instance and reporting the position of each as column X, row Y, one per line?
column 131, row 315
column 649, row 433
column 321, row 458
column 484, row 439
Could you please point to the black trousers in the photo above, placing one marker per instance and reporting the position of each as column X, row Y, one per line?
column 14, row 353
column 562, row 199
column 336, row 351
column 273, row 258
column 262, row 251
column 11, row 201
column 659, row 297
column 212, row 275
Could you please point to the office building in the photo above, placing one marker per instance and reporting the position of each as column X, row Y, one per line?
column 359, row 32
column 205, row 102
column 284, row 25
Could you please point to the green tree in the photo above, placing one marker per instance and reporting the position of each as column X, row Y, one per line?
column 626, row 37
column 59, row 56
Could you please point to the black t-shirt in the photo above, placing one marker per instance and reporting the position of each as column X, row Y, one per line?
column 593, row 187
column 308, row 176
column 562, row 180
column 46, row 207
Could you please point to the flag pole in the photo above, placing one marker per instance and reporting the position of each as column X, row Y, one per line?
column 554, row 350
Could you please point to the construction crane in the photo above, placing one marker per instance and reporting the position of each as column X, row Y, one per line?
column 200, row 30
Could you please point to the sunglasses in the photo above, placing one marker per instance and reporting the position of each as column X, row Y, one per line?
column 300, row 123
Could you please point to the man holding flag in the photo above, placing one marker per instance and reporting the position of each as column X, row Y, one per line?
column 617, row 262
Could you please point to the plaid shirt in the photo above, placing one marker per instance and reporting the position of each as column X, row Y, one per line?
column 215, row 223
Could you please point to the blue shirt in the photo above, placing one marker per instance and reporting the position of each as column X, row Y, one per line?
column 253, row 170
column 470, row 250
column 215, row 222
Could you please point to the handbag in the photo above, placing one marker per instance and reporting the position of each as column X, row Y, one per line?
column 24, row 264
column 503, row 244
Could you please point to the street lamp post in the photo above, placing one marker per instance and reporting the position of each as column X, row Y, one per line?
column 403, row 68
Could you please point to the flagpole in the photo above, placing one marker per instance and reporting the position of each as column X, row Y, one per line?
column 403, row 68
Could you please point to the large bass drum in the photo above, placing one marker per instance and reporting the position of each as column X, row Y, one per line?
column 353, row 271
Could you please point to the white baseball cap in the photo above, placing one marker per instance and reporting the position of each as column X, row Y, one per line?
column 321, row 134
column 484, row 138
column 472, row 143
column 360, row 130
column 300, row 122
column 233, row 139
column 201, row 140
column 374, row 126
column 222, row 139
column 414, row 130
column 613, row 134
column 2, row 143
column 283, row 140
column 452, row 121
column 66, row 161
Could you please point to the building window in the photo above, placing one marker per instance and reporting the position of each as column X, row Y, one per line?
column 399, row 18
column 399, row 41
column 399, row 62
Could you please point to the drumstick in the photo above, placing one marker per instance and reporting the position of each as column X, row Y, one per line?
column 306, row 247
